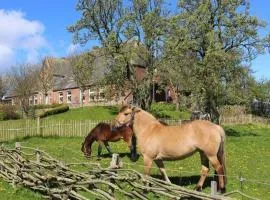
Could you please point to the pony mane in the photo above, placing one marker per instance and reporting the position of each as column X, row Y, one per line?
column 163, row 123
column 124, row 108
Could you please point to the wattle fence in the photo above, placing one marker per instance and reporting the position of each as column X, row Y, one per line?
column 16, row 129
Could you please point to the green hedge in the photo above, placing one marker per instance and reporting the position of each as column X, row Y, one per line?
column 56, row 110
column 45, row 106
column 168, row 110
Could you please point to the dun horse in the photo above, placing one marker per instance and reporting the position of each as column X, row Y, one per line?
column 103, row 133
column 158, row 142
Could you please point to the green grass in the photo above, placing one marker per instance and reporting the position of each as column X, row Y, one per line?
column 160, row 110
column 247, row 150
column 91, row 113
column 7, row 192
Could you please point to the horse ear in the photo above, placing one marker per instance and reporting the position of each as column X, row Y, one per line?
column 136, row 109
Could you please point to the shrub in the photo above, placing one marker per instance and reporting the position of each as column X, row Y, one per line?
column 59, row 109
column 45, row 106
column 166, row 110
column 8, row 112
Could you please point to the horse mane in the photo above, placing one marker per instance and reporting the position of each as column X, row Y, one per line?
column 124, row 108
column 163, row 123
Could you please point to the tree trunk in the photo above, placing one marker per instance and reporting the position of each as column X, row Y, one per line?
column 211, row 107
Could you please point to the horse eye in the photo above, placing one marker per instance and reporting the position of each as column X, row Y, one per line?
column 126, row 114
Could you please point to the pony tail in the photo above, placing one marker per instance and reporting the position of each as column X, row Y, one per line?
column 222, row 157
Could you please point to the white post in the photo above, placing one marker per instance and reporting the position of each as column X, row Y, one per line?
column 38, row 156
column 116, row 163
column 18, row 146
column 213, row 188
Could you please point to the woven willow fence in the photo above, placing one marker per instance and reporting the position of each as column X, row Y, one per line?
column 37, row 170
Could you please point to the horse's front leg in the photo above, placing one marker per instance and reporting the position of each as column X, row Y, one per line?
column 161, row 167
column 107, row 146
column 99, row 149
column 147, row 165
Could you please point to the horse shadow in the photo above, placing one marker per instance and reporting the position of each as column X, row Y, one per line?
column 186, row 180
column 121, row 155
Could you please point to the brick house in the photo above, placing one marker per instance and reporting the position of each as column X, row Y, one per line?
column 65, row 90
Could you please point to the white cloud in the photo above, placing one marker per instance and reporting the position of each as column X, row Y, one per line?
column 72, row 49
column 17, row 35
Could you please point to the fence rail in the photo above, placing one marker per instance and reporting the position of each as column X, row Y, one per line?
column 10, row 130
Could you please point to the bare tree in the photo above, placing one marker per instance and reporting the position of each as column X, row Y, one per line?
column 45, row 80
column 23, row 79
column 3, row 87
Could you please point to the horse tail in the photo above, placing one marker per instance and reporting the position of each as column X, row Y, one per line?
column 221, row 154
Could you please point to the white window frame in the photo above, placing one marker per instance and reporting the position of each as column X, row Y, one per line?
column 61, row 96
column 35, row 100
column 91, row 93
column 99, row 92
column 31, row 101
column 69, row 96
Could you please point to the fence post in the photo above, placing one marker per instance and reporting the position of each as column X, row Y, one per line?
column 213, row 188
column 241, row 180
column 38, row 155
column 38, row 126
column 250, row 118
column 18, row 146
column 114, row 164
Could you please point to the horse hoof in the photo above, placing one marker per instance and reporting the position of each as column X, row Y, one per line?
column 222, row 190
column 198, row 188
column 98, row 158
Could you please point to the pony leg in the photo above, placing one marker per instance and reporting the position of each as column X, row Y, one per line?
column 99, row 148
column 147, row 165
column 107, row 146
column 204, row 172
column 219, row 169
column 161, row 167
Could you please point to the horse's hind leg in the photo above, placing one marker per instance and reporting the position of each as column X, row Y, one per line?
column 107, row 146
column 161, row 167
column 204, row 172
column 219, row 169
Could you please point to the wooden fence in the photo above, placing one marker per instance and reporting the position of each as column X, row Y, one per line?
column 245, row 119
column 10, row 130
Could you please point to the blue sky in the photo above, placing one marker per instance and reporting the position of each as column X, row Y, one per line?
column 38, row 28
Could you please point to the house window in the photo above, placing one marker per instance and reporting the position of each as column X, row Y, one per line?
column 91, row 95
column 35, row 100
column 61, row 97
column 31, row 101
column 82, row 96
column 68, row 96
column 101, row 95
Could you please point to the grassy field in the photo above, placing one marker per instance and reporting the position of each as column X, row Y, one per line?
column 160, row 110
column 247, row 149
column 91, row 113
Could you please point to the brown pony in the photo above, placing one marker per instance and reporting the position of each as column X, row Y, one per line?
column 104, row 133
column 158, row 142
